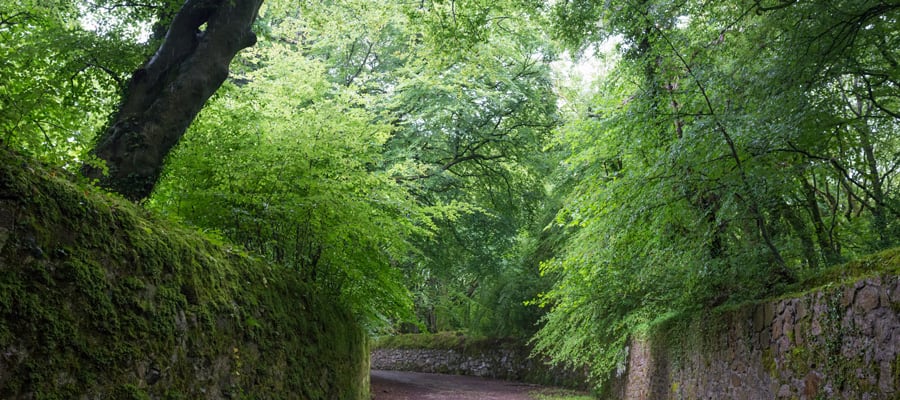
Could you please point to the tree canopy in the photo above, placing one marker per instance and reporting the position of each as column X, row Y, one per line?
column 733, row 148
column 434, row 164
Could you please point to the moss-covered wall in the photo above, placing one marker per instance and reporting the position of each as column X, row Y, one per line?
column 840, row 341
column 100, row 300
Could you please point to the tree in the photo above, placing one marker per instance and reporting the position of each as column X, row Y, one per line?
column 473, row 109
column 371, row 130
column 165, row 94
column 736, row 148
column 466, row 89
column 283, row 165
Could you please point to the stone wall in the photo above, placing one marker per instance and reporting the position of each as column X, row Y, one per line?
column 842, row 342
column 101, row 300
column 500, row 362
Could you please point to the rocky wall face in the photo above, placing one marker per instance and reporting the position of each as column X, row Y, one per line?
column 840, row 342
column 501, row 363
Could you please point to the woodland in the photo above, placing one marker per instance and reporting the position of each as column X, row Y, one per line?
column 567, row 171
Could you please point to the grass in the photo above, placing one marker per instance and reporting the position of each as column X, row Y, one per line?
column 886, row 262
column 458, row 341
column 559, row 394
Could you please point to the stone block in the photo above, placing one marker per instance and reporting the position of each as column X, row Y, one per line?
column 4, row 236
column 785, row 391
column 765, row 338
column 777, row 328
column 768, row 313
column 801, row 309
column 782, row 345
column 759, row 321
column 811, row 384
column 788, row 328
column 895, row 291
column 799, row 332
column 847, row 297
column 815, row 328
column 736, row 380
column 867, row 298
column 886, row 377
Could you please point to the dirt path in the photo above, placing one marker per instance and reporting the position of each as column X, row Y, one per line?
column 396, row 385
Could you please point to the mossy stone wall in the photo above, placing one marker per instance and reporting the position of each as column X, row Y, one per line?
column 457, row 354
column 100, row 300
column 838, row 342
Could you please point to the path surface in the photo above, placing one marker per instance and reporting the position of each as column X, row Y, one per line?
column 397, row 385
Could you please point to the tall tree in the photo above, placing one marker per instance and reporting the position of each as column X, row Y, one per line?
column 737, row 146
column 166, row 93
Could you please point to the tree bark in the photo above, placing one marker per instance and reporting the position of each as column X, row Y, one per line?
column 169, row 90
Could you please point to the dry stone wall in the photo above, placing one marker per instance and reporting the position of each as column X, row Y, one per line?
column 500, row 362
column 842, row 342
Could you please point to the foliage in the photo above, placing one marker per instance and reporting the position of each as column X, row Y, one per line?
column 731, row 148
column 558, row 394
column 470, row 114
column 472, row 121
column 401, row 146
column 285, row 167
column 438, row 341
column 59, row 79
column 421, row 160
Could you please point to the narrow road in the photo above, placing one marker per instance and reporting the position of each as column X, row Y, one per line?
column 398, row 385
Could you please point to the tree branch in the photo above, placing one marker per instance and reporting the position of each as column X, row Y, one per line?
column 753, row 204
column 167, row 93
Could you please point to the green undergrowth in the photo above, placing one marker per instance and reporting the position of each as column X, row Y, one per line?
column 674, row 326
column 885, row 263
column 882, row 264
column 458, row 341
column 101, row 299
column 559, row 394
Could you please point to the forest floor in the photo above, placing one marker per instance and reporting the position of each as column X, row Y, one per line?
column 397, row 385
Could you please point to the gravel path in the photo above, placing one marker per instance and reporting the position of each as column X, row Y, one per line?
column 397, row 385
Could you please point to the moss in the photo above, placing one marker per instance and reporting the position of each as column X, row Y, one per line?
column 895, row 368
column 131, row 392
column 800, row 360
column 559, row 394
column 100, row 299
column 768, row 362
column 457, row 341
column 884, row 263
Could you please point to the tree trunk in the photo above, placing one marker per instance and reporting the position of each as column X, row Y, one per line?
column 879, row 212
column 826, row 244
column 168, row 91
column 800, row 229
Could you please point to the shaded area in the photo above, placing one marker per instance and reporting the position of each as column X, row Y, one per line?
column 100, row 299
